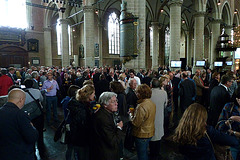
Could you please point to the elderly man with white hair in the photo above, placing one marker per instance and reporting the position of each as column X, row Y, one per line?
column 107, row 129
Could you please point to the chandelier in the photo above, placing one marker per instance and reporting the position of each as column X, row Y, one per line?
column 236, row 36
column 76, row 3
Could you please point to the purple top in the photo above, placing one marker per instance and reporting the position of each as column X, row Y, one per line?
column 47, row 84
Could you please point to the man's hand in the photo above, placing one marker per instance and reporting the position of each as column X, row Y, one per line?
column 120, row 124
column 235, row 118
column 49, row 89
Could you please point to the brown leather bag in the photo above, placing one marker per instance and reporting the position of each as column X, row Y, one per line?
column 221, row 152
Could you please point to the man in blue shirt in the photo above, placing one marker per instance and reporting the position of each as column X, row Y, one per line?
column 51, row 86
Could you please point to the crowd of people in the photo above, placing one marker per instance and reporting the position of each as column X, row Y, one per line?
column 149, row 102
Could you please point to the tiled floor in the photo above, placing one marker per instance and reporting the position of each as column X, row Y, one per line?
column 56, row 150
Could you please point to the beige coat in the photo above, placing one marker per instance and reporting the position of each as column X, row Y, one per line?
column 143, row 120
column 159, row 97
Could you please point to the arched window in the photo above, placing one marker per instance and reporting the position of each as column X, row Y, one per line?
column 13, row 13
column 167, row 45
column 113, row 34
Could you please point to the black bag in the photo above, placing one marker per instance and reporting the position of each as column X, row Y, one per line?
column 63, row 131
column 32, row 109
column 59, row 131
column 129, row 139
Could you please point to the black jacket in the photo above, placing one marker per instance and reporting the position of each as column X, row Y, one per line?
column 17, row 135
column 218, row 98
column 187, row 91
column 80, row 126
column 204, row 150
column 106, row 136
column 131, row 97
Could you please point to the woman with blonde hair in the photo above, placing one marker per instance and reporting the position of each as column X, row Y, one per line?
column 196, row 137
column 80, row 115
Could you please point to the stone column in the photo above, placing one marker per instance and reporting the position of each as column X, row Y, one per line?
column 89, row 35
column 228, row 30
column 138, row 8
column 161, row 46
column 64, row 42
column 189, row 47
column 198, row 38
column 48, row 46
column 214, row 39
column 76, row 60
column 100, row 27
column 175, row 29
column 155, row 46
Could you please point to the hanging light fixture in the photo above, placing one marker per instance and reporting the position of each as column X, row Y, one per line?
column 219, row 3
column 235, row 12
column 76, row 3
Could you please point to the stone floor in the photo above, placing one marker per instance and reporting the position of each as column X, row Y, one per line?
column 56, row 150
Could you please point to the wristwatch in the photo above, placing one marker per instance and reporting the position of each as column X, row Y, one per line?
column 234, row 132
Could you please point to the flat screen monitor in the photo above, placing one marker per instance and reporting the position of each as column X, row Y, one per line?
column 237, row 53
column 229, row 63
column 200, row 63
column 218, row 64
column 176, row 64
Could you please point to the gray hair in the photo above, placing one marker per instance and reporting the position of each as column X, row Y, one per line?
column 105, row 97
column 34, row 74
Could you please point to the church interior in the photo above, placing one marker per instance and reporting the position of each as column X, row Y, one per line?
column 136, row 33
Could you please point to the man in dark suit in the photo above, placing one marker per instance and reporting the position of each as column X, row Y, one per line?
column 209, row 75
column 187, row 91
column 174, row 81
column 17, row 134
column 35, row 79
column 218, row 98
column 11, row 74
column 131, row 95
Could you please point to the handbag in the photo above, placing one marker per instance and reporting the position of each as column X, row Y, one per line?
column 129, row 138
column 63, row 132
column 32, row 109
column 221, row 152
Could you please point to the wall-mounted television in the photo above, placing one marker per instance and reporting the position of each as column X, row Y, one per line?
column 229, row 63
column 218, row 64
column 237, row 53
column 176, row 64
column 200, row 63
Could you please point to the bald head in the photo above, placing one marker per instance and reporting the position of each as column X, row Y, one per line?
column 133, row 83
column 17, row 96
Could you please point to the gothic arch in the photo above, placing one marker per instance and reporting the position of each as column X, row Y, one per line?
column 49, row 14
column 229, row 18
column 149, row 9
column 216, row 14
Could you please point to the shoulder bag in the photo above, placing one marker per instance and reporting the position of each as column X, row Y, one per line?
column 32, row 109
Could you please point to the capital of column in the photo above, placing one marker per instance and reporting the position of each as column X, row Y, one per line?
column 228, row 27
column 47, row 29
column 155, row 23
column 175, row 3
column 217, row 21
column 63, row 21
column 87, row 9
column 199, row 14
